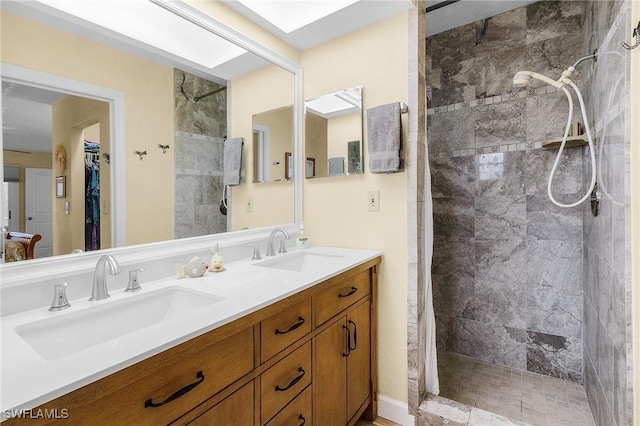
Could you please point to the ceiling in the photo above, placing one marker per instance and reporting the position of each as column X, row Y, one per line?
column 26, row 117
column 466, row 11
column 350, row 18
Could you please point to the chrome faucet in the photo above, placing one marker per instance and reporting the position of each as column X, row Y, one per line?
column 99, row 290
column 271, row 251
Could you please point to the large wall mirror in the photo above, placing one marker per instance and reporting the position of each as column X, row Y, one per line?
column 133, row 124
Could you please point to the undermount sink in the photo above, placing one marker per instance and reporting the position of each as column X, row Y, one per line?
column 299, row 261
column 73, row 331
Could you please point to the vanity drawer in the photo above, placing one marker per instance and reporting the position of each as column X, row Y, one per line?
column 282, row 382
column 122, row 396
column 298, row 412
column 282, row 329
column 341, row 295
column 236, row 409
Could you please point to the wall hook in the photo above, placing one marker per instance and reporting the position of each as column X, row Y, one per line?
column 141, row 154
column 164, row 148
column 636, row 35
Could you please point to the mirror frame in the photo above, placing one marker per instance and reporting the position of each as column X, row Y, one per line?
column 18, row 273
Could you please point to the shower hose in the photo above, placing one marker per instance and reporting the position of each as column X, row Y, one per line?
column 592, row 154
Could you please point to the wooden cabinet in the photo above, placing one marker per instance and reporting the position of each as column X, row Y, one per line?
column 307, row 359
column 236, row 409
column 342, row 368
column 341, row 294
column 285, row 327
column 297, row 413
column 161, row 388
column 282, row 382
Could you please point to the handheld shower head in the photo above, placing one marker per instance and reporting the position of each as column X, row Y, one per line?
column 523, row 78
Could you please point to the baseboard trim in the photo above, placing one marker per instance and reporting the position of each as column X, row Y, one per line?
column 394, row 410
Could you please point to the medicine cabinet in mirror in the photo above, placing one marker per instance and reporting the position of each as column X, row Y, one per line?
column 333, row 138
column 333, row 134
column 159, row 146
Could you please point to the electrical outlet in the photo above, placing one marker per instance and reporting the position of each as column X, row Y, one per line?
column 249, row 206
column 373, row 201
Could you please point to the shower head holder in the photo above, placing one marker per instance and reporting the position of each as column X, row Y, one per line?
column 523, row 78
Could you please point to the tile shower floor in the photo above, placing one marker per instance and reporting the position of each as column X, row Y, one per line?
column 519, row 395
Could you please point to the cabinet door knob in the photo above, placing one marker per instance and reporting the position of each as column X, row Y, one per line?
column 177, row 394
column 293, row 327
column 302, row 420
column 349, row 293
column 293, row 382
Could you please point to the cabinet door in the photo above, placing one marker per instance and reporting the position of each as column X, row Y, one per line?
column 236, row 409
column 359, row 359
column 329, row 376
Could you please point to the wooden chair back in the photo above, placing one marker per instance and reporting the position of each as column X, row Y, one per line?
column 27, row 240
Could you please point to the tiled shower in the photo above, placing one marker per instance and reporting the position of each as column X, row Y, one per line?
column 517, row 281
column 200, row 130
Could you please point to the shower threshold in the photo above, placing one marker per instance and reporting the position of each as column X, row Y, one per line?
column 474, row 393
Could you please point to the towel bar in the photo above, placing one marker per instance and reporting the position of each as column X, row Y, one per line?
column 404, row 108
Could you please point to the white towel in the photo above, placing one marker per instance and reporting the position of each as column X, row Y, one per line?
column 384, row 134
column 232, row 160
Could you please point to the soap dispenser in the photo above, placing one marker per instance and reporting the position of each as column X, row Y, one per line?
column 301, row 240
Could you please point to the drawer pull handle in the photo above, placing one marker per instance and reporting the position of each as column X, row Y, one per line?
column 302, row 420
column 293, row 327
column 348, row 341
column 352, row 291
column 177, row 394
column 293, row 382
column 355, row 337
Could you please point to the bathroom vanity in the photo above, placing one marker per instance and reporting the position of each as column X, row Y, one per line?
column 285, row 341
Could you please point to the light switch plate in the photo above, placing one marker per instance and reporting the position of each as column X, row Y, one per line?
column 373, row 201
column 249, row 205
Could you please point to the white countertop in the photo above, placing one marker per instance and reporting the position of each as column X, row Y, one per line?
column 28, row 380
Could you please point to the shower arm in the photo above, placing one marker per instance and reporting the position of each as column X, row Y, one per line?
column 569, row 71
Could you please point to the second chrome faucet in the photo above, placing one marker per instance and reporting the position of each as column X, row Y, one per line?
column 99, row 290
column 271, row 251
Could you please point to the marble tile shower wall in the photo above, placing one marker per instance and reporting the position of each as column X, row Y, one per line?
column 200, row 128
column 607, row 310
column 508, row 264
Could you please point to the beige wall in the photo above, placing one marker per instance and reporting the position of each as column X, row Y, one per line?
column 342, row 130
column 36, row 160
column 267, row 89
column 280, row 124
column 335, row 209
column 71, row 116
column 315, row 141
column 149, row 111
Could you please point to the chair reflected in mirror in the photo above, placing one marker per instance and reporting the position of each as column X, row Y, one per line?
column 20, row 246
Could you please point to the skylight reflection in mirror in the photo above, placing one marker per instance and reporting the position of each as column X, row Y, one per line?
column 185, row 40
